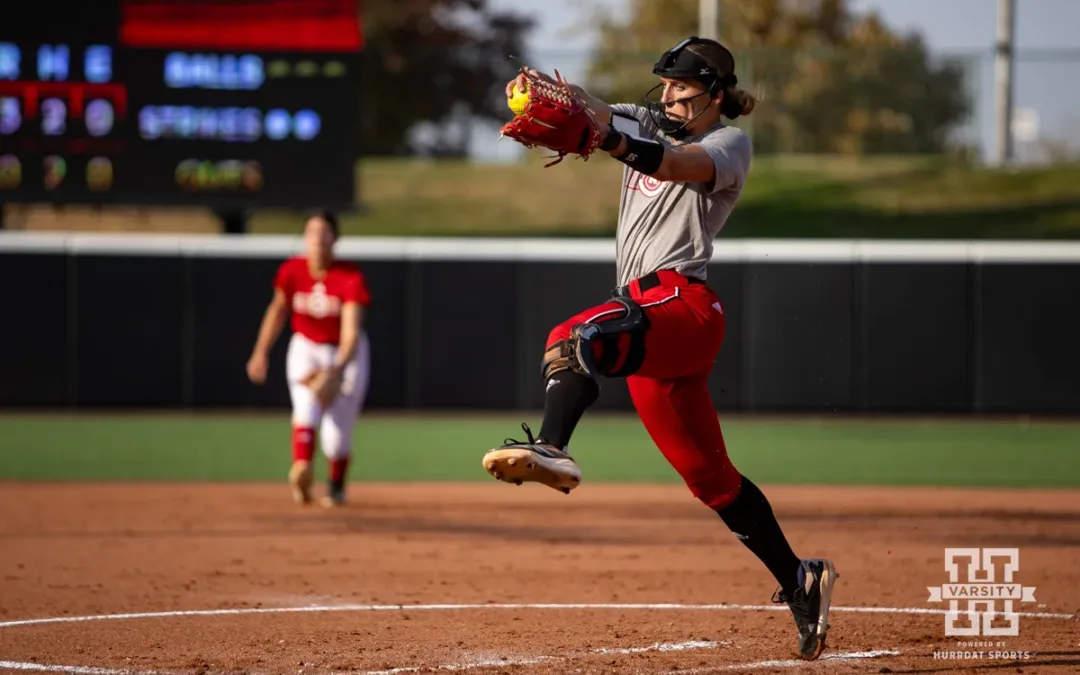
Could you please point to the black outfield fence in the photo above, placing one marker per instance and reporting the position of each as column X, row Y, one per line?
column 97, row 321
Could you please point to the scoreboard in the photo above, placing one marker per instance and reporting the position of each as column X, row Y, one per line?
column 223, row 103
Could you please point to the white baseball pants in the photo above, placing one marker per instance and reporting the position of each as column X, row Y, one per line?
column 336, row 423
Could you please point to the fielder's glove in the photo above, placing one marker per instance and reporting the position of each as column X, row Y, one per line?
column 326, row 384
column 555, row 118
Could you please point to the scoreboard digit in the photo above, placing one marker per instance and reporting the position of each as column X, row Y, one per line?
column 59, row 115
column 150, row 102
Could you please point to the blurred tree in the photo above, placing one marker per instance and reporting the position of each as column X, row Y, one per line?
column 832, row 81
column 436, row 65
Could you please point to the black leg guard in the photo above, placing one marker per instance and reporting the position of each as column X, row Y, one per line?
column 579, row 348
column 571, row 370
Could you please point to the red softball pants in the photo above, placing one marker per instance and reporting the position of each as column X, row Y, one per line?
column 670, row 389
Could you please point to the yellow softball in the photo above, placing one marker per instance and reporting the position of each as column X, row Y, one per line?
column 517, row 101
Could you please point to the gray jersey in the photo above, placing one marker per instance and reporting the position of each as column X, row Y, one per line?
column 664, row 225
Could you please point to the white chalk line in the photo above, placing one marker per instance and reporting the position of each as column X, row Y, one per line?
column 72, row 670
column 497, row 662
column 486, row 606
column 787, row 663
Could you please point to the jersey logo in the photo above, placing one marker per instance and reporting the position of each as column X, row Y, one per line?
column 646, row 185
column 316, row 304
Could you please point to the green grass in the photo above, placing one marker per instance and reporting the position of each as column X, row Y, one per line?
column 609, row 448
column 787, row 196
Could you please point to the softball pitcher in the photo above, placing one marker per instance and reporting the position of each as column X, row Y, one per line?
column 328, row 360
column 663, row 326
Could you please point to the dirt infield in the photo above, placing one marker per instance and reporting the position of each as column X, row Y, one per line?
column 484, row 573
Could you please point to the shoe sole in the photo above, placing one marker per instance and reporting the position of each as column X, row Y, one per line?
column 517, row 465
column 829, row 575
column 300, row 479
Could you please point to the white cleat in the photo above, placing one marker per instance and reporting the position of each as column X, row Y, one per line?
column 533, row 462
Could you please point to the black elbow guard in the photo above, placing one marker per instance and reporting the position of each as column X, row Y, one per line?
column 642, row 156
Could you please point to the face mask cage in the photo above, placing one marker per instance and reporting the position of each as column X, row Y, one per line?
column 658, row 111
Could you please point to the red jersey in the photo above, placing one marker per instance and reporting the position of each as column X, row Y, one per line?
column 316, row 304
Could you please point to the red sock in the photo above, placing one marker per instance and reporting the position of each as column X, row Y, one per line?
column 338, row 468
column 303, row 444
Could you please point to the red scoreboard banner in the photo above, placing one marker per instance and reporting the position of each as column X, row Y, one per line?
column 286, row 25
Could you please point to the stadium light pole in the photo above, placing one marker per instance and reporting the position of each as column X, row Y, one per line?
column 1003, row 80
column 709, row 19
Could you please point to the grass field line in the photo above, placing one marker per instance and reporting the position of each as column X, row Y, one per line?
column 484, row 607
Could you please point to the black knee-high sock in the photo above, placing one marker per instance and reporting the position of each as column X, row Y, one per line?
column 750, row 517
column 567, row 397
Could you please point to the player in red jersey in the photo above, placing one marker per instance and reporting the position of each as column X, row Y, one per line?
column 327, row 298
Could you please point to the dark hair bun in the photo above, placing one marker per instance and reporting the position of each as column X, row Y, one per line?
column 327, row 217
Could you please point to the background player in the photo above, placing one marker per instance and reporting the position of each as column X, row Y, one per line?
column 327, row 298
column 685, row 171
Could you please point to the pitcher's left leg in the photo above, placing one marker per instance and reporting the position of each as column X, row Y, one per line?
column 681, row 419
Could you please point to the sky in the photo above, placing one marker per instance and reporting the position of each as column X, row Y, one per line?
column 1045, row 82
